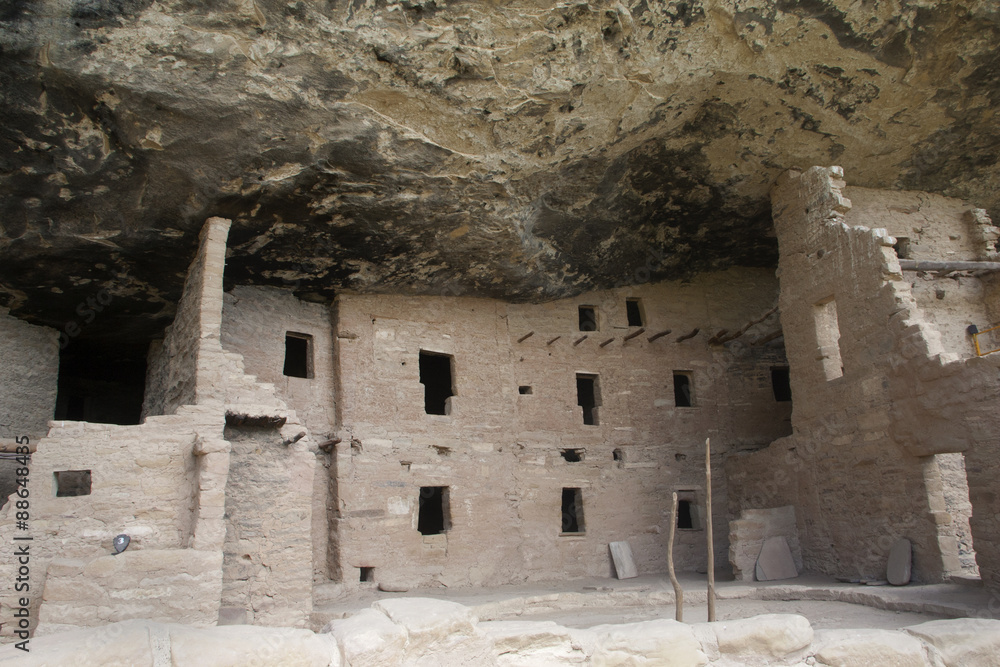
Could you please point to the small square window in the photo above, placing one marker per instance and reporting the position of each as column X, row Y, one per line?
column 524, row 390
column 572, row 455
column 367, row 574
column 902, row 247
column 72, row 483
column 588, row 318
column 298, row 355
column 633, row 310
column 687, row 511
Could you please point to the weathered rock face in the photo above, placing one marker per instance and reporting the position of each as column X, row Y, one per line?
column 524, row 149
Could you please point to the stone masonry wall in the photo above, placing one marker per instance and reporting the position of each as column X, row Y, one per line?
column 142, row 483
column 254, row 323
column 187, row 368
column 499, row 449
column 29, row 371
column 935, row 228
column 161, row 482
column 851, row 327
column 268, row 557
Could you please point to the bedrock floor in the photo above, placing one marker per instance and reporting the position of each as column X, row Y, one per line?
column 582, row 603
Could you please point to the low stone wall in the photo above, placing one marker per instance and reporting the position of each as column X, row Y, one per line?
column 422, row 631
column 160, row 584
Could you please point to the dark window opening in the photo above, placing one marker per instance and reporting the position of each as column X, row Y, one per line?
column 684, row 518
column 101, row 381
column 367, row 574
column 633, row 310
column 435, row 375
column 781, row 384
column 432, row 518
column 619, row 456
column 297, row 355
column 683, row 395
column 588, row 318
column 76, row 408
column 902, row 247
column 572, row 455
column 524, row 390
column 687, row 511
column 572, row 511
column 72, row 483
column 587, row 397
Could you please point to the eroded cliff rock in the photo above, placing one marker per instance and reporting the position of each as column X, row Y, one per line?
column 523, row 149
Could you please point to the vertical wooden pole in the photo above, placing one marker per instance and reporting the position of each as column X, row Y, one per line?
column 678, row 591
column 708, row 530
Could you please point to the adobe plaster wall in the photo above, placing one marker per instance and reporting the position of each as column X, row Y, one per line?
column 498, row 450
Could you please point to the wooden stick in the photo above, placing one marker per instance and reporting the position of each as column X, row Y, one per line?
column 634, row 334
column 708, row 530
column 580, row 340
column 525, row 336
column 768, row 338
column 687, row 336
column 720, row 339
column 553, row 340
column 607, row 342
column 658, row 335
column 678, row 591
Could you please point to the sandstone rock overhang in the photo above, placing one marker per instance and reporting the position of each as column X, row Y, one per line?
column 524, row 150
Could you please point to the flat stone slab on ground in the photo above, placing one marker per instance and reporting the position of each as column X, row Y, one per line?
column 775, row 560
column 621, row 554
column 900, row 563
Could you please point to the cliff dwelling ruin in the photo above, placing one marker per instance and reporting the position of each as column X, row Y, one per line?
column 360, row 333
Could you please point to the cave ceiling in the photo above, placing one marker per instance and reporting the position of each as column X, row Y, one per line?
column 523, row 150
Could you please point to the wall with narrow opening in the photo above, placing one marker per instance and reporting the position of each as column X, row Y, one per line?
column 286, row 342
column 860, row 469
column 434, row 510
column 683, row 389
column 436, row 377
column 506, row 455
column 828, row 338
column 588, row 397
column 571, row 511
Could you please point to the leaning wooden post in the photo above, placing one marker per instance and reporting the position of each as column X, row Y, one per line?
column 708, row 530
column 678, row 591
